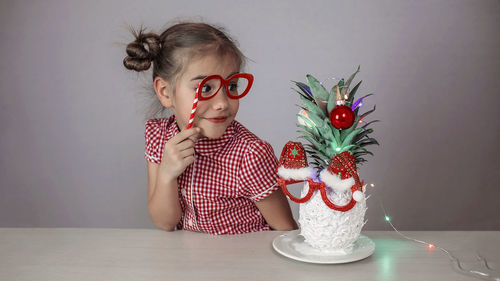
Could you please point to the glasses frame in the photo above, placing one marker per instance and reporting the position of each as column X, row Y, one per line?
column 225, row 83
column 321, row 186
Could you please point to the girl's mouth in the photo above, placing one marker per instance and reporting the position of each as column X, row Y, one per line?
column 220, row 119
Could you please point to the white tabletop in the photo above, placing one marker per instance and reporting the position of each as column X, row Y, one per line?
column 147, row 254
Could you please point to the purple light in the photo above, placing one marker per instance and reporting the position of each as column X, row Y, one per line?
column 356, row 103
column 308, row 90
column 315, row 178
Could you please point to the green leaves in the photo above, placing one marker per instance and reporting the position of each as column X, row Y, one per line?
column 368, row 112
column 323, row 140
column 317, row 120
column 348, row 139
column 311, row 130
column 331, row 101
column 364, row 133
column 348, row 82
column 305, row 96
column 352, row 93
column 318, row 91
column 313, row 108
column 369, row 123
column 369, row 141
column 336, row 133
column 306, row 93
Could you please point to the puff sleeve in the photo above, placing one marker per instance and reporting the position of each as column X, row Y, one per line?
column 153, row 135
column 257, row 173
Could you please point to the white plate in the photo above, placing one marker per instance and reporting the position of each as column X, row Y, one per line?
column 292, row 245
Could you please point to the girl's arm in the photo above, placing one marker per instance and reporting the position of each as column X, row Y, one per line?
column 163, row 200
column 163, row 195
column 276, row 211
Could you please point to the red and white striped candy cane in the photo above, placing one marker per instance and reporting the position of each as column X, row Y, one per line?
column 193, row 111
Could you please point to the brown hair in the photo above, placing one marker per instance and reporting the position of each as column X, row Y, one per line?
column 172, row 50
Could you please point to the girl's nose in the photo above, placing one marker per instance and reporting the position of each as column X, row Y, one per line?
column 221, row 100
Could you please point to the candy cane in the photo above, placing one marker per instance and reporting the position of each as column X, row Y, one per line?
column 193, row 111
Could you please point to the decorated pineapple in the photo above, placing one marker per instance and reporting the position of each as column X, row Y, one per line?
column 333, row 203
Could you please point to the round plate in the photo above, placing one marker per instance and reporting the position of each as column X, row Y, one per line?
column 292, row 245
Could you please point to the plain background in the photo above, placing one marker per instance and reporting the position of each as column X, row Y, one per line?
column 72, row 143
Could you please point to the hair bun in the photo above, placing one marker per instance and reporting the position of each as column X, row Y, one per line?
column 142, row 51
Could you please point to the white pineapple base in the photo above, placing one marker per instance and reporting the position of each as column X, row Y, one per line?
column 327, row 231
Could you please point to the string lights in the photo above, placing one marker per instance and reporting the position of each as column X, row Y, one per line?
column 484, row 273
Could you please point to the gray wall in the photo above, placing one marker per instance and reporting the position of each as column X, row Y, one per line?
column 71, row 116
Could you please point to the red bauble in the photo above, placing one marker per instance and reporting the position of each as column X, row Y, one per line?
column 342, row 117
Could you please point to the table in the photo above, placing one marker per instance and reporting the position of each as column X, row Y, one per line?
column 148, row 254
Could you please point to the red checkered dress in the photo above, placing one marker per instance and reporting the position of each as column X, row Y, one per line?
column 228, row 175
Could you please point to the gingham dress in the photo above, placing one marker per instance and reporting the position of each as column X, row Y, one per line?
column 217, row 192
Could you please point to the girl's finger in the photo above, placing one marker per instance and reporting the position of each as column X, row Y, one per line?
column 186, row 153
column 188, row 160
column 184, row 134
column 185, row 144
column 195, row 138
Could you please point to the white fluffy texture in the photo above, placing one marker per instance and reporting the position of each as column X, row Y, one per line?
column 328, row 230
column 358, row 196
column 335, row 182
column 296, row 174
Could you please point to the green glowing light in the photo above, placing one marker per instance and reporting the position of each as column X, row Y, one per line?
column 387, row 218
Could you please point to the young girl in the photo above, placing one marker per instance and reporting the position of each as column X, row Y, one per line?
column 216, row 177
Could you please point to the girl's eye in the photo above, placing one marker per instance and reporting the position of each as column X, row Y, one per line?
column 233, row 87
column 206, row 88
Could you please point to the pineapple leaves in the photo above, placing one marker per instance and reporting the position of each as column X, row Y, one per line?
column 316, row 144
column 346, row 148
column 341, row 83
column 348, row 139
column 352, row 93
column 311, row 130
column 336, row 133
column 305, row 96
column 331, row 101
column 313, row 108
column 369, row 123
column 362, row 134
column 327, row 130
column 319, row 93
column 348, row 82
column 359, row 160
column 362, row 151
column 323, row 141
column 305, row 89
column 318, row 121
column 320, row 157
column 346, row 132
column 357, row 103
column 368, row 112
column 369, row 141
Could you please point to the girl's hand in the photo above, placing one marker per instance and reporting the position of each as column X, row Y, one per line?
column 178, row 154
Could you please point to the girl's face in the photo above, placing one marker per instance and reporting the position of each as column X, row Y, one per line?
column 212, row 116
